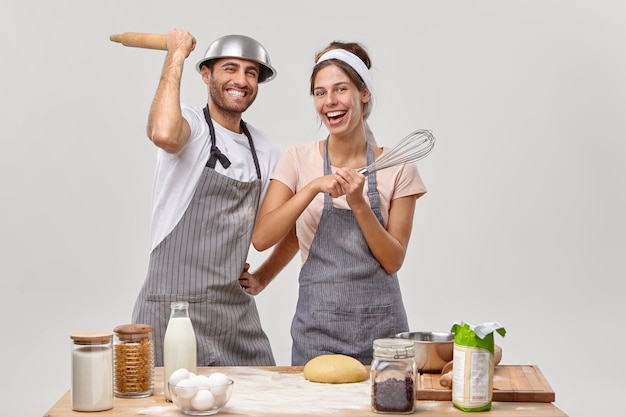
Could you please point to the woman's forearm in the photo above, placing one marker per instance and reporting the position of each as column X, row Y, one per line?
column 277, row 217
column 388, row 245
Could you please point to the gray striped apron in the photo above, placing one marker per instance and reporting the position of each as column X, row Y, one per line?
column 346, row 299
column 200, row 261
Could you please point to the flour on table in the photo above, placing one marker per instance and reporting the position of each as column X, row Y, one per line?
column 258, row 389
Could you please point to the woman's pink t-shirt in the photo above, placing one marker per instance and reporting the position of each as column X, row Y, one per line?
column 302, row 163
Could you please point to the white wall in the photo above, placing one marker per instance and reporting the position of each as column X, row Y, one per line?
column 523, row 222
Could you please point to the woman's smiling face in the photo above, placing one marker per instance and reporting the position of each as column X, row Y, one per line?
column 338, row 101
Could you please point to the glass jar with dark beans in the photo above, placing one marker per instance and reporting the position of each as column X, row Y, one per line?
column 392, row 376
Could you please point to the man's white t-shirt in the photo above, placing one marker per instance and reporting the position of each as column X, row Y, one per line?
column 176, row 175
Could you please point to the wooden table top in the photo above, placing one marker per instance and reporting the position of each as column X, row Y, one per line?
column 283, row 391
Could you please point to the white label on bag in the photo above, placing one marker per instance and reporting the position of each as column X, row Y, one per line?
column 472, row 376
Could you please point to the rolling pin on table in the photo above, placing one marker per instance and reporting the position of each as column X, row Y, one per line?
column 519, row 391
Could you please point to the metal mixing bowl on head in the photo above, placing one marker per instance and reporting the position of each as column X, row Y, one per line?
column 240, row 46
column 432, row 349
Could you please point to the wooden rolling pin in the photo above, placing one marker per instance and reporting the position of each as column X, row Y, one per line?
column 141, row 40
column 446, row 373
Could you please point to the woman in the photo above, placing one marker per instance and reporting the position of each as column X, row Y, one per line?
column 353, row 230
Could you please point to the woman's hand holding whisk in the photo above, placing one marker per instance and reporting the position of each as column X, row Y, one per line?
column 351, row 183
column 328, row 184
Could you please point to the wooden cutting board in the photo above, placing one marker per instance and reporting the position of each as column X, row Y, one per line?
column 510, row 383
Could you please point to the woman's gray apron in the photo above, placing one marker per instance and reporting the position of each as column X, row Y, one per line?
column 200, row 261
column 346, row 299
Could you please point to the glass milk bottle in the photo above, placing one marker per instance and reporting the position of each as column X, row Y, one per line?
column 179, row 344
column 92, row 371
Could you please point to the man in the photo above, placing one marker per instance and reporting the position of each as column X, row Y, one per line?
column 212, row 171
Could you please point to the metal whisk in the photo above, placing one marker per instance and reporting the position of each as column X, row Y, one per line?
column 415, row 146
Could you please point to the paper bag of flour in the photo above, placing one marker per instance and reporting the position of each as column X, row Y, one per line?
column 472, row 372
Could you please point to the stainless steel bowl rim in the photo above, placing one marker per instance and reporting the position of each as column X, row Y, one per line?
column 428, row 337
column 240, row 46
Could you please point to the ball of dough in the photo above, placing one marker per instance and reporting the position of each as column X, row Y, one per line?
column 335, row 369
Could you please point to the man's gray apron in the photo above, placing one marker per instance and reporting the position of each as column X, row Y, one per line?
column 200, row 261
column 346, row 299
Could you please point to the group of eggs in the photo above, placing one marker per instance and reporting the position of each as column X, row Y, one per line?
column 199, row 392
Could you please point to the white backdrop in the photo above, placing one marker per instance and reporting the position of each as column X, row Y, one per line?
column 523, row 222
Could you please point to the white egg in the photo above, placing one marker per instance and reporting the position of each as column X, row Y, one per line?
column 218, row 382
column 178, row 375
column 186, row 388
column 202, row 381
column 203, row 400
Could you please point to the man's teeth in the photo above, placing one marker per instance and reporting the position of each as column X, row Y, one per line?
column 237, row 93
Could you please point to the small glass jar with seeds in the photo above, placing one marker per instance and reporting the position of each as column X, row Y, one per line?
column 133, row 361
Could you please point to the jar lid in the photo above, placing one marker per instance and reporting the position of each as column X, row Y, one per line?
column 394, row 347
column 91, row 338
column 134, row 328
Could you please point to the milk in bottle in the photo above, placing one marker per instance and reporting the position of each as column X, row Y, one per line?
column 179, row 344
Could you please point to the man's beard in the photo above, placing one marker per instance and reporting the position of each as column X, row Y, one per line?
column 220, row 99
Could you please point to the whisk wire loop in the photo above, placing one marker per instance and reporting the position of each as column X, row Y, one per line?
column 413, row 147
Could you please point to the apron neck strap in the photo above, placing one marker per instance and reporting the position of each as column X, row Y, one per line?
column 216, row 155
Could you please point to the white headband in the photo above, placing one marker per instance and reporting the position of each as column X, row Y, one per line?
column 354, row 61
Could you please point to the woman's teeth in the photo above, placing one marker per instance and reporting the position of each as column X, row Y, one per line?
column 334, row 114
